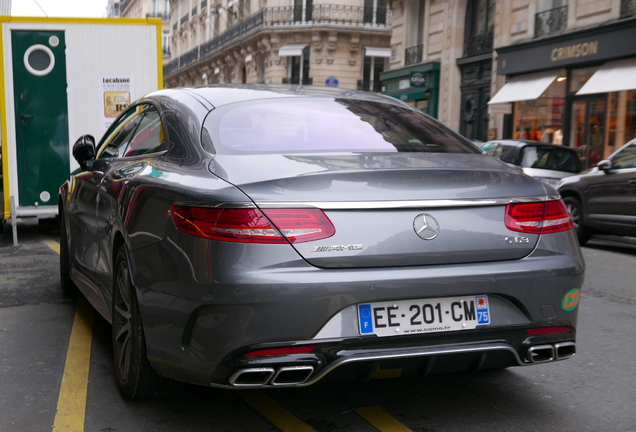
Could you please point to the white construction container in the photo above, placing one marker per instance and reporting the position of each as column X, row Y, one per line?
column 61, row 78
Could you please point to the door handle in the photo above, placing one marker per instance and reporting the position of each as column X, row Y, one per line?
column 24, row 117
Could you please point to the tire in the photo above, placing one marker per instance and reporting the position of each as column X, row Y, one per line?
column 135, row 377
column 69, row 289
column 576, row 211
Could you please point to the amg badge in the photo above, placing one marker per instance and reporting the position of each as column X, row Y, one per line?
column 338, row 248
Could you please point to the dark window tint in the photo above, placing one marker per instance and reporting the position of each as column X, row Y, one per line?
column 116, row 140
column 149, row 136
column 137, row 132
column 315, row 125
column 551, row 158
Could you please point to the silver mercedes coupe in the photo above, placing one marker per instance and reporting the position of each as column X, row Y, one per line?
column 259, row 237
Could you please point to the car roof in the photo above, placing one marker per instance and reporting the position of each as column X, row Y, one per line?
column 219, row 95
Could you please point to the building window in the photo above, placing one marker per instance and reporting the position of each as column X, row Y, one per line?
column 166, row 43
column 303, row 10
column 299, row 67
column 375, row 12
column 415, row 47
column 552, row 17
column 373, row 67
column 480, row 19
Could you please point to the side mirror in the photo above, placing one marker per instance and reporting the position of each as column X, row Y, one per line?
column 84, row 150
column 604, row 165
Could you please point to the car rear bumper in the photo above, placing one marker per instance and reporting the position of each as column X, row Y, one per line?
column 199, row 330
column 419, row 356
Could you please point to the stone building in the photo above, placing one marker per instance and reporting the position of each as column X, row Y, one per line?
column 279, row 41
column 554, row 70
column 145, row 9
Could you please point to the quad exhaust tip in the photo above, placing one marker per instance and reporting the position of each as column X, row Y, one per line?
column 547, row 353
column 281, row 376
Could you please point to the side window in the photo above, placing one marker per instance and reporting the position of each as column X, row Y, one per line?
column 115, row 143
column 626, row 158
column 508, row 154
column 138, row 132
column 149, row 136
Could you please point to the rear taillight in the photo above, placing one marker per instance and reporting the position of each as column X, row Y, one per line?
column 548, row 330
column 538, row 218
column 253, row 225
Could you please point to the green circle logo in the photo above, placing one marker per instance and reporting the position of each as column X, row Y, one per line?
column 571, row 300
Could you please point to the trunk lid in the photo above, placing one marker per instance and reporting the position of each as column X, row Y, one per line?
column 394, row 209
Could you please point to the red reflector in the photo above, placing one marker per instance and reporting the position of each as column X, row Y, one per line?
column 538, row 218
column 548, row 330
column 280, row 351
column 252, row 226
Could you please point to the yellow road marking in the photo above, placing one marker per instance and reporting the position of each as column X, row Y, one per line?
column 381, row 420
column 272, row 411
column 71, row 404
column 52, row 244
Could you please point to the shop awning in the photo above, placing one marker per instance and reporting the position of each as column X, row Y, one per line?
column 612, row 76
column 291, row 50
column 525, row 87
column 377, row 52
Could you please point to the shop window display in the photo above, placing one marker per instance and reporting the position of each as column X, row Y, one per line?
column 542, row 119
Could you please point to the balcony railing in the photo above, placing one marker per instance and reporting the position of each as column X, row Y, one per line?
column 189, row 57
column 550, row 21
column 628, row 8
column 327, row 14
column 413, row 55
column 478, row 44
column 276, row 17
column 296, row 80
column 366, row 86
column 163, row 15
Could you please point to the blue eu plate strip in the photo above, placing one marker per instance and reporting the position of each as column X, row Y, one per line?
column 365, row 318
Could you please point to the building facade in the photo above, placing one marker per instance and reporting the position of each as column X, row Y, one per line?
column 535, row 69
column 570, row 74
column 443, row 59
column 145, row 9
column 312, row 42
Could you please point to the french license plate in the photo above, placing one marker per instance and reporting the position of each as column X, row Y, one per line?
column 423, row 315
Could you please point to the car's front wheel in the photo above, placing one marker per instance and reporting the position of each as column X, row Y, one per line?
column 136, row 378
column 576, row 211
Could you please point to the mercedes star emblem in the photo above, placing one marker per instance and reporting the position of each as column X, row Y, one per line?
column 426, row 226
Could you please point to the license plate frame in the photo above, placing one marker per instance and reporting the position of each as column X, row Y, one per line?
column 420, row 316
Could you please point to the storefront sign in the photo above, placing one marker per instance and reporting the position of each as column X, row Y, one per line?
column 574, row 51
column 417, row 79
column 596, row 44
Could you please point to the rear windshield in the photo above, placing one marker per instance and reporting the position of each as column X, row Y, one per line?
column 327, row 125
column 551, row 158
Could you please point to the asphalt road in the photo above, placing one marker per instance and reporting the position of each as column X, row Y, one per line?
column 594, row 391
